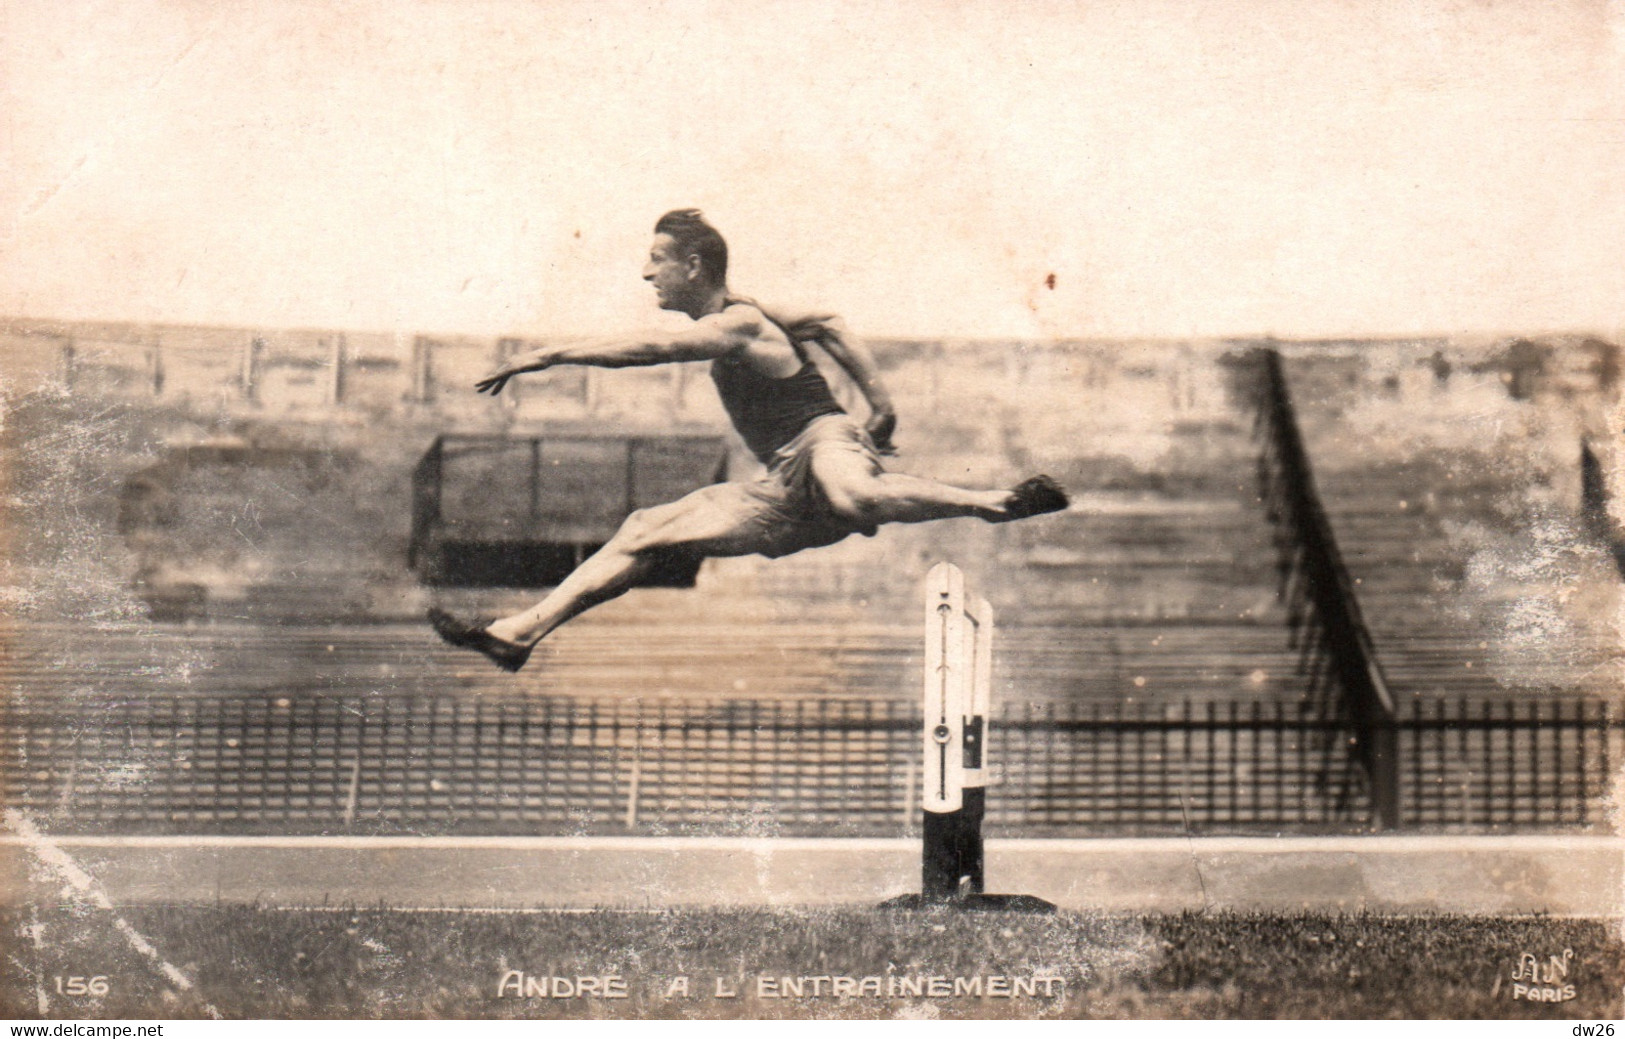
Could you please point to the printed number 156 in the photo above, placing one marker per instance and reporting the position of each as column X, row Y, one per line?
column 76, row 986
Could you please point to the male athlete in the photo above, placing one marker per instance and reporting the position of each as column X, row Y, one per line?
column 824, row 480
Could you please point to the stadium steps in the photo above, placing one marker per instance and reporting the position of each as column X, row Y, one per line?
column 1141, row 663
column 1473, row 574
column 1159, row 581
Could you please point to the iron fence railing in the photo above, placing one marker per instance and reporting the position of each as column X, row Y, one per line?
column 449, row 764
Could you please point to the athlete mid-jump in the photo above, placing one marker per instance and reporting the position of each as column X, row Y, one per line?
column 824, row 479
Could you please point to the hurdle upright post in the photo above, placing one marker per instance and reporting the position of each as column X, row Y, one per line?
column 957, row 708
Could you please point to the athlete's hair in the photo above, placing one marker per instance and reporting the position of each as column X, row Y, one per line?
column 695, row 237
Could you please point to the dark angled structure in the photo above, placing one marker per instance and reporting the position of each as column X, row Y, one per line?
column 523, row 511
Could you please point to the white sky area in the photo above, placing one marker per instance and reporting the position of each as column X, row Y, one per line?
column 1298, row 167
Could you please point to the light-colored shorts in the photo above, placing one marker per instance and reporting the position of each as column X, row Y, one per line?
column 784, row 509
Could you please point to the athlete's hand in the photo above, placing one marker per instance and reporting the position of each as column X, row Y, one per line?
column 494, row 382
column 880, row 427
column 533, row 361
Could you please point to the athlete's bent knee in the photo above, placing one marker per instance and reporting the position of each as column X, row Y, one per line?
column 638, row 532
column 659, row 530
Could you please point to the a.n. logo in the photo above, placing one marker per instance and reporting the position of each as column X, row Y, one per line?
column 1543, row 982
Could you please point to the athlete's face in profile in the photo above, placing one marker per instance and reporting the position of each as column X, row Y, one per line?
column 671, row 274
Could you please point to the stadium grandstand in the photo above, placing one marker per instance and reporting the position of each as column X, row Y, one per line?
column 1310, row 587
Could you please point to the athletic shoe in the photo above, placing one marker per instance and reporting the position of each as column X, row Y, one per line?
column 1034, row 497
column 509, row 656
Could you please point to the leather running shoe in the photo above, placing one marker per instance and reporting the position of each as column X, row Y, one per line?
column 1034, row 497
column 509, row 656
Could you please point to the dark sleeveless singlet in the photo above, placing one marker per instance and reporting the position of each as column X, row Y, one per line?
column 768, row 412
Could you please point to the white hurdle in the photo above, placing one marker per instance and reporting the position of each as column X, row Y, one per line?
column 958, row 687
column 958, row 693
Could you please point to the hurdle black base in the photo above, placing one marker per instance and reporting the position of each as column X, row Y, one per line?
column 976, row 902
column 952, row 865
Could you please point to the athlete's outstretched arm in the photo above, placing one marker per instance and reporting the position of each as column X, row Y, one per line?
column 709, row 337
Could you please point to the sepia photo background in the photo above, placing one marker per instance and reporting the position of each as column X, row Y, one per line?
column 252, row 261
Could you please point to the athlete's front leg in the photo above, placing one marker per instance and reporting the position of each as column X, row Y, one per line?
column 720, row 520
column 606, row 574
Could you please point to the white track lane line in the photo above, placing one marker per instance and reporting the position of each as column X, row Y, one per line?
column 59, row 862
